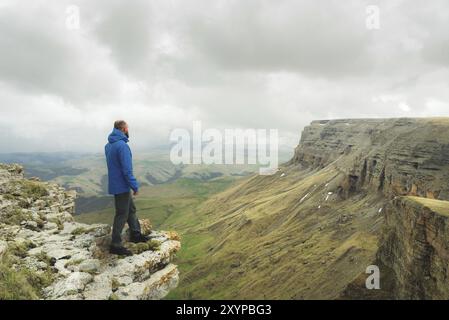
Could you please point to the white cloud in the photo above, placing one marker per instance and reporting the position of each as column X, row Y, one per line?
column 403, row 106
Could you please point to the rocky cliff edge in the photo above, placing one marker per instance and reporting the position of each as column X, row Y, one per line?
column 415, row 247
column 45, row 254
column 406, row 163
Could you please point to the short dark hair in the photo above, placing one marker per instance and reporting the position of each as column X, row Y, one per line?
column 120, row 124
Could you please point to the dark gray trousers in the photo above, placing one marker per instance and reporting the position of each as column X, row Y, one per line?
column 125, row 211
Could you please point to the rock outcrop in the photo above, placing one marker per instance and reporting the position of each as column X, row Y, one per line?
column 405, row 162
column 396, row 156
column 64, row 259
column 415, row 246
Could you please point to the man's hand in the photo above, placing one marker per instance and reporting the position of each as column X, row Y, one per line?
column 135, row 193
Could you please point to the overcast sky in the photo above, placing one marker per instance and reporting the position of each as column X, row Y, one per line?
column 275, row 64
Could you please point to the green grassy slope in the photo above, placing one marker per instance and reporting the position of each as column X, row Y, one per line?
column 167, row 205
column 267, row 238
column 263, row 237
column 438, row 206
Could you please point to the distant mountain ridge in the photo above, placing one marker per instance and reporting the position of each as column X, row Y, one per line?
column 87, row 173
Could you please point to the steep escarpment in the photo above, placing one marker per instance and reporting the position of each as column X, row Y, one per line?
column 395, row 156
column 415, row 246
column 311, row 230
column 407, row 160
column 45, row 254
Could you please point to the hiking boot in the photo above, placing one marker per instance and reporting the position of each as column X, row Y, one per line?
column 121, row 251
column 139, row 238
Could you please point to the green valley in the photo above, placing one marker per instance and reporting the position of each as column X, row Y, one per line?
column 310, row 230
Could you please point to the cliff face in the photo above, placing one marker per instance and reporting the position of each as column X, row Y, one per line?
column 407, row 161
column 395, row 156
column 415, row 245
column 44, row 250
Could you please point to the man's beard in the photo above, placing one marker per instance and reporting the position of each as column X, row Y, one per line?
column 127, row 134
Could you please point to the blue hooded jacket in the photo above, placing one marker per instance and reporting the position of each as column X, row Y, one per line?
column 119, row 161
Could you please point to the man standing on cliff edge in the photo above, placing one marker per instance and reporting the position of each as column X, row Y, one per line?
column 121, row 183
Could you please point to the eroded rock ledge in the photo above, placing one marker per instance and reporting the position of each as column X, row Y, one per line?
column 415, row 247
column 64, row 259
column 398, row 157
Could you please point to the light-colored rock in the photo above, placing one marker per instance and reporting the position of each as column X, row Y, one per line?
column 99, row 289
column 155, row 287
column 55, row 251
column 31, row 225
column 34, row 264
column 73, row 284
column 89, row 266
column 78, row 253
column 60, row 265
column 50, row 226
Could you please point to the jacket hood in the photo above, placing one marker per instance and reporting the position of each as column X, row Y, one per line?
column 117, row 135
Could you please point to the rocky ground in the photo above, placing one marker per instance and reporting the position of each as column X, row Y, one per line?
column 45, row 254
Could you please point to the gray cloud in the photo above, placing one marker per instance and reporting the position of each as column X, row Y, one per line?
column 126, row 31
column 308, row 37
column 41, row 56
column 256, row 63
